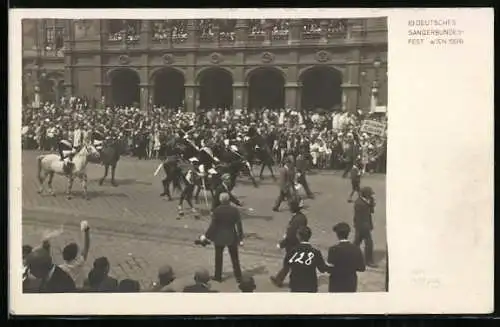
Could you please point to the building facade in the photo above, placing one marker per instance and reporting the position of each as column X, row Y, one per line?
column 328, row 64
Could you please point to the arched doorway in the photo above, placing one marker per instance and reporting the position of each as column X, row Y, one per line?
column 266, row 89
column 321, row 88
column 125, row 89
column 169, row 88
column 215, row 89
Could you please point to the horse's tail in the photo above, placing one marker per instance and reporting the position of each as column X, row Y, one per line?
column 39, row 167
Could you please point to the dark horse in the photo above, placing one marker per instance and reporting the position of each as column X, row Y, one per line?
column 256, row 150
column 109, row 157
column 233, row 163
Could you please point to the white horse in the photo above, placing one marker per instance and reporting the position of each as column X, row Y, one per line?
column 50, row 164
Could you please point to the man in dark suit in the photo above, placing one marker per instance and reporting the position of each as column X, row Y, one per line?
column 286, row 183
column 224, row 187
column 364, row 207
column 201, row 283
column 346, row 259
column 301, row 167
column 53, row 279
column 303, row 261
column 225, row 230
column 290, row 240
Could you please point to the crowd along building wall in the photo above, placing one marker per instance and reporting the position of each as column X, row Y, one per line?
column 308, row 63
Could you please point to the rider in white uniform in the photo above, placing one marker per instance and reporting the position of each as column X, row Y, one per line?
column 67, row 152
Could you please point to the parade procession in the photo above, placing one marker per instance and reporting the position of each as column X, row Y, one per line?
column 255, row 141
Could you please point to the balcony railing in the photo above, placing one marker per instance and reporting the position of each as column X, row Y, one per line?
column 225, row 33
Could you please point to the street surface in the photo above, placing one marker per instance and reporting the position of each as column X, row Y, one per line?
column 138, row 231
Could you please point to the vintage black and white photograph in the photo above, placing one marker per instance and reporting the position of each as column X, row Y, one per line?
column 204, row 155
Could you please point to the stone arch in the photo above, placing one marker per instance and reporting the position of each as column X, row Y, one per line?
column 215, row 87
column 203, row 70
column 253, row 70
column 321, row 87
column 112, row 71
column 155, row 71
column 266, row 88
column 125, row 86
column 168, row 87
column 332, row 68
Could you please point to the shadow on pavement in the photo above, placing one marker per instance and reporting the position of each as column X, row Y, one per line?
column 127, row 181
column 98, row 194
column 260, row 270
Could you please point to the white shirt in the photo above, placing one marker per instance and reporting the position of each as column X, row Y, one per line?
column 77, row 137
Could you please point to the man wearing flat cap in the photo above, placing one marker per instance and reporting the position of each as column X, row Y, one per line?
column 201, row 283
column 225, row 230
column 364, row 207
column 346, row 259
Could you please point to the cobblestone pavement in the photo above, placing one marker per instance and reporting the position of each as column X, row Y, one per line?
column 138, row 232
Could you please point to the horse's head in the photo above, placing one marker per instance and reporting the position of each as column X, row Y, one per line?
column 88, row 149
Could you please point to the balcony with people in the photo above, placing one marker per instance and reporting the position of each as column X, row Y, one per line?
column 179, row 31
column 280, row 29
column 127, row 31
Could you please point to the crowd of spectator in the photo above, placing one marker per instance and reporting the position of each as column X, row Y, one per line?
column 43, row 272
column 145, row 134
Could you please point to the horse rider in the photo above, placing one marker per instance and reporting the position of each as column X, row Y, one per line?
column 67, row 151
column 98, row 138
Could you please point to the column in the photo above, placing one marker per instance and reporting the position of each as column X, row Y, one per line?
column 104, row 32
column 68, row 55
column 295, row 31
column 239, row 95
column 144, row 96
column 190, row 97
column 169, row 34
column 324, row 30
column 145, row 38
column 350, row 85
column 36, row 102
column 291, row 90
column 241, row 32
column 350, row 97
column 192, row 29
column 268, row 32
column 216, row 30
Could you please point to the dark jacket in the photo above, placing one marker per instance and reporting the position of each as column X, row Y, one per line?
column 225, row 227
column 304, row 261
column 59, row 282
column 290, row 241
column 286, row 178
column 363, row 215
column 347, row 260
